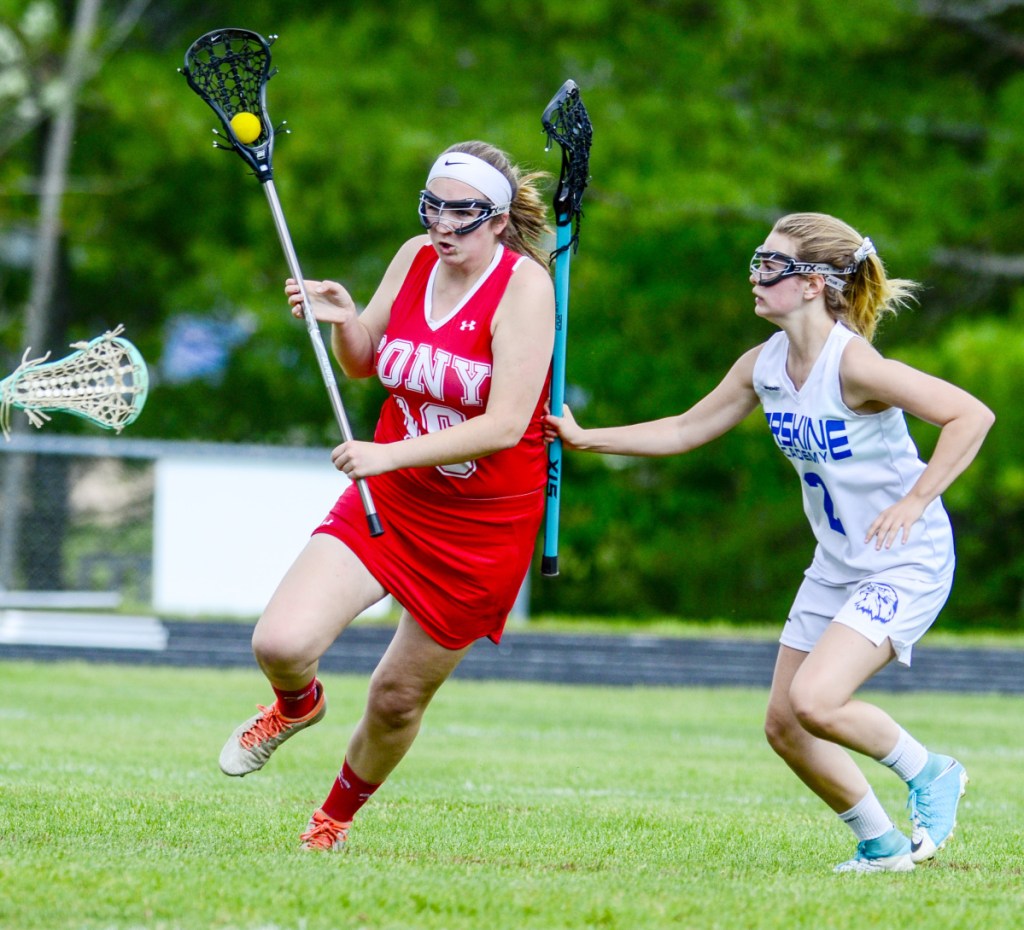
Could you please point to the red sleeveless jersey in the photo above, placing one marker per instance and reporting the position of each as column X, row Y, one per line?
column 458, row 539
column 438, row 374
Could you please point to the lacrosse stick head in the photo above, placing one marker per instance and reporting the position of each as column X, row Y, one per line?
column 106, row 382
column 566, row 122
column 229, row 69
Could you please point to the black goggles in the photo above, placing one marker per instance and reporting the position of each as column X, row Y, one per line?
column 460, row 216
column 770, row 268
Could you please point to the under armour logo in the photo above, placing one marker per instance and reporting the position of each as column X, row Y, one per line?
column 468, row 324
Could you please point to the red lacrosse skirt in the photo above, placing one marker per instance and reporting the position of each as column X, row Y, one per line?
column 456, row 564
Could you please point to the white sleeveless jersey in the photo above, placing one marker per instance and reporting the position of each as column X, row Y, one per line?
column 852, row 466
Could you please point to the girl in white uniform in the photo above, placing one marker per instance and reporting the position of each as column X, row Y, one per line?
column 883, row 564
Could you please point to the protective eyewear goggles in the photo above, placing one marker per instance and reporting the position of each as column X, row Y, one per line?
column 770, row 268
column 460, row 216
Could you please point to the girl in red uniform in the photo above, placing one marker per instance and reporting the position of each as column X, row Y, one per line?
column 460, row 332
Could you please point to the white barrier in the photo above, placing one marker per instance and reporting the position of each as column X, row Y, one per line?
column 227, row 528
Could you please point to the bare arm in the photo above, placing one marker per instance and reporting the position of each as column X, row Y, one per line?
column 872, row 383
column 521, row 341
column 728, row 404
column 354, row 335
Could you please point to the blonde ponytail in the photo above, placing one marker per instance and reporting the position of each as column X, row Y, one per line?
column 869, row 294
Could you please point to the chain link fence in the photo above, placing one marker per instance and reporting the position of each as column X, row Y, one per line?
column 76, row 514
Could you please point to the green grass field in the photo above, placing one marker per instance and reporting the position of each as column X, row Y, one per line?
column 520, row 806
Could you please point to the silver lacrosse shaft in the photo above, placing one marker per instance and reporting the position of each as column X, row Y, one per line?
column 313, row 328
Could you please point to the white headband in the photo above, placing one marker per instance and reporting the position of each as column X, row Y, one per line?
column 477, row 173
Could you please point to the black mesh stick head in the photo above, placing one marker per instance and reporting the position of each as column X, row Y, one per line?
column 566, row 122
column 229, row 69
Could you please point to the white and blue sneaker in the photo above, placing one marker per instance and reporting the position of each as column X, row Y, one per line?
column 934, row 797
column 889, row 852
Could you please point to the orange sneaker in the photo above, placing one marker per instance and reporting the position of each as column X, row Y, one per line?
column 325, row 833
column 252, row 743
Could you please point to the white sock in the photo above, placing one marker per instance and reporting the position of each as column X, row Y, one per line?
column 907, row 758
column 867, row 818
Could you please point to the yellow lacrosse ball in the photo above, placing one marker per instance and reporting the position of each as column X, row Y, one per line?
column 247, row 127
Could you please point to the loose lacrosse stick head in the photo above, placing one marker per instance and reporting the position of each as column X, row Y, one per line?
column 229, row 69
column 106, row 382
column 566, row 122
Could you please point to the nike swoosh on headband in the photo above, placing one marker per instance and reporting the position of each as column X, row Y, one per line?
column 478, row 174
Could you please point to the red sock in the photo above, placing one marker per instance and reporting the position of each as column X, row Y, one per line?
column 296, row 704
column 348, row 793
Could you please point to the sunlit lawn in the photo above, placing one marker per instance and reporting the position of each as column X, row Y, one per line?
column 520, row 806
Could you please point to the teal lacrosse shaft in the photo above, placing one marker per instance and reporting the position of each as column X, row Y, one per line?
column 563, row 240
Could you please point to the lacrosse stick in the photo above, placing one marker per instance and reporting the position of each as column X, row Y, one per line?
column 229, row 69
column 565, row 121
column 105, row 382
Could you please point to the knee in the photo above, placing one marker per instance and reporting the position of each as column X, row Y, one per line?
column 781, row 731
column 277, row 652
column 813, row 714
column 393, row 705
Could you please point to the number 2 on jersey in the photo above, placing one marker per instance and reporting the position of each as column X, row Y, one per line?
column 814, row 480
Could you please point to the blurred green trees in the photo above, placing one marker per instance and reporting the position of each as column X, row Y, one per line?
column 711, row 120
